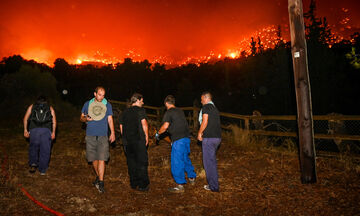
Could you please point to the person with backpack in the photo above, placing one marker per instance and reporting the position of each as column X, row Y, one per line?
column 40, row 127
column 98, row 115
column 134, row 130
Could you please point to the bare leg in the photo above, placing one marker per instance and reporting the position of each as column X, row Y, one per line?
column 96, row 166
column 101, row 169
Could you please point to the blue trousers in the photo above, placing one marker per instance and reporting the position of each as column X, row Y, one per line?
column 40, row 147
column 180, row 161
column 209, row 147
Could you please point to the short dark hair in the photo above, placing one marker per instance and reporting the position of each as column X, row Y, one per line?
column 98, row 88
column 135, row 97
column 170, row 99
column 41, row 99
column 207, row 93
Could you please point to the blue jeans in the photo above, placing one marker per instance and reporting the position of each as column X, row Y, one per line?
column 209, row 147
column 40, row 147
column 180, row 161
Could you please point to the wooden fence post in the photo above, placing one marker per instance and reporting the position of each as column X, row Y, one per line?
column 158, row 115
column 303, row 95
column 195, row 118
column 247, row 124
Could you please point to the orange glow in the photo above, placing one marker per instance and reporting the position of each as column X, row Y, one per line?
column 166, row 32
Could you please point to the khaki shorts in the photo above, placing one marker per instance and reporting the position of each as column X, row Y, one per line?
column 97, row 148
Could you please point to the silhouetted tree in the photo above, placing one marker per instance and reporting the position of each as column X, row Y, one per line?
column 253, row 46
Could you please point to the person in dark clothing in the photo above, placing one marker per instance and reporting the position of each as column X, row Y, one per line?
column 134, row 130
column 210, row 135
column 40, row 126
column 175, row 122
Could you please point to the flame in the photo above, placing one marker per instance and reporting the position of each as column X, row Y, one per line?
column 267, row 35
column 232, row 55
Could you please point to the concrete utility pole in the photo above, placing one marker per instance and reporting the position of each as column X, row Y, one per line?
column 303, row 95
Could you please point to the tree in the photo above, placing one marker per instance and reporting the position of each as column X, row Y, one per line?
column 317, row 29
column 253, row 46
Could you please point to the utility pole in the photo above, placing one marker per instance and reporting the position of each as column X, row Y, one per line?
column 303, row 93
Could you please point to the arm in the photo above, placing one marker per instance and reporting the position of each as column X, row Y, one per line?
column 26, row 118
column 203, row 125
column 145, row 129
column 111, row 126
column 121, row 129
column 164, row 127
column 53, row 123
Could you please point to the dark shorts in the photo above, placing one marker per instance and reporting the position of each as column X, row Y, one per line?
column 97, row 148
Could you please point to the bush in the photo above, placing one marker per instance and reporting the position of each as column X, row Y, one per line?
column 20, row 89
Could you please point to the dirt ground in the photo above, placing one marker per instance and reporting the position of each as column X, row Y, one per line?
column 252, row 182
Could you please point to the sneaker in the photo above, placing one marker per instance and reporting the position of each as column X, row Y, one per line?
column 42, row 173
column 96, row 182
column 101, row 187
column 192, row 181
column 32, row 169
column 207, row 187
column 177, row 189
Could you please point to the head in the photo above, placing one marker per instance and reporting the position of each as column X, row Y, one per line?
column 99, row 93
column 169, row 101
column 41, row 99
column 137, row 100
column 206, row 97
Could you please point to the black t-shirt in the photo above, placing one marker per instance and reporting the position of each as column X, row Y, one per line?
column 178, row 127
column 213, row 128
column 131, row 121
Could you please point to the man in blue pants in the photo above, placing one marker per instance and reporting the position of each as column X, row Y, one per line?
column 210, row 135
column 40, row 126
column 175, row 122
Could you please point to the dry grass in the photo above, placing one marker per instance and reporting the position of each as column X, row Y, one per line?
column 256, row 178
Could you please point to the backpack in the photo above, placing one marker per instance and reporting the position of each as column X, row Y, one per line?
column 40, row 114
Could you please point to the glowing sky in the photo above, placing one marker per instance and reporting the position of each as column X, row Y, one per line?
column 175, row 29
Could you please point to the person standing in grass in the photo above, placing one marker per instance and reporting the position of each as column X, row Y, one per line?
column 210, row 135
column 97, row 113
column 134, row 130
column 175, row 122
column 40, row 127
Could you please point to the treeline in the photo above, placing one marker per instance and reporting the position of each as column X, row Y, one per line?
column 262, row 81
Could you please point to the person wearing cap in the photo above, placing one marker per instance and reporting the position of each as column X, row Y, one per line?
column 97, row 113
column 210, row 135
column 175, row 122
column 134, row 130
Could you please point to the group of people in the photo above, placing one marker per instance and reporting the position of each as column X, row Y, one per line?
column 98, row 115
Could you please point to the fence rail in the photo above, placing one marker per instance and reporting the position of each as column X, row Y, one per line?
column 335, row 127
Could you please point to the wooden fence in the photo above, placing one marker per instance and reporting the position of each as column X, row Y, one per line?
column 261, row 125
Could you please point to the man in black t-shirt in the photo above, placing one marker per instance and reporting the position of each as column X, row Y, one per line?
column 134, row 130
column 210, row 135
column 175, row 122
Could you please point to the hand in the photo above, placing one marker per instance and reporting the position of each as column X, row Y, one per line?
column 200, row 137
column 112, row 137
column 53, row 135
column 146, row 141
column 88, row 118
column 157, row 136
column 26, row 134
